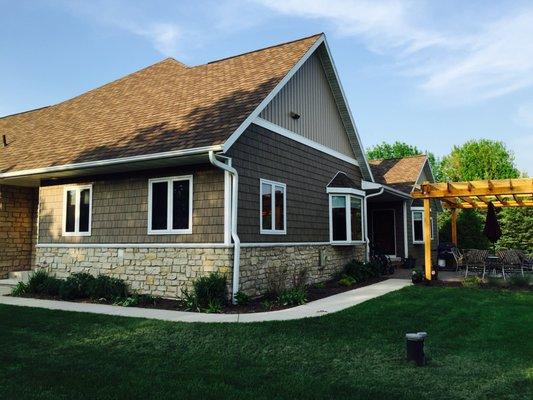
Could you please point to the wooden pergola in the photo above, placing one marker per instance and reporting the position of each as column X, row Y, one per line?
column 468, row 195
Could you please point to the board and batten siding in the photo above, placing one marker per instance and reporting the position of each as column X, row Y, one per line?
column 120, row 208
column 260, row 153
column 308, row 94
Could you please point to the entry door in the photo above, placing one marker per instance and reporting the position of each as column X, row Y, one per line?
column 384, row 231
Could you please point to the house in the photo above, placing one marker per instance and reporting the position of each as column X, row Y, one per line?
column 244, row 165
column 395, row 220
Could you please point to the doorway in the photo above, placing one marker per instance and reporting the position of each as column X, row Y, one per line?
column 384, row 231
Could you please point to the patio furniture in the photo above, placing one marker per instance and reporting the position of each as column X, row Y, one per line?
column 475, row 261
column 511, row 262
column 458, row 257
column 527, row 260
column 494, row 263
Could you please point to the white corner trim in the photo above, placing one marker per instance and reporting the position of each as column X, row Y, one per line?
column 340, row 190
column 111, row 161
column 246, row 123
column 345, row 100
column 134, row 245
column 303, row 140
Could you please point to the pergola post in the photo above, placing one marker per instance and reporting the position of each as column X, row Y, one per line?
column 427, row 239
column 454, row 226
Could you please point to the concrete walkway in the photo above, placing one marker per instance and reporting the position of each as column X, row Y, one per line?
column 316, row 308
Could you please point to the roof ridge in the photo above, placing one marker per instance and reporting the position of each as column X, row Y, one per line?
column 399, row 158
column 264, row 48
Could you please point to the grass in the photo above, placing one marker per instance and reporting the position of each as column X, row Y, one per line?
column 479, row 346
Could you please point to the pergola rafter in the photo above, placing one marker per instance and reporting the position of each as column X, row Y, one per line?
column 467, row 195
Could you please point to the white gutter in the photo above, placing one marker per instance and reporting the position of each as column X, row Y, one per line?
column 366, row 225
column 234, row 207
column 111, row 161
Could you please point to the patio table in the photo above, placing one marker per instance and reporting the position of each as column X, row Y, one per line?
column 493, row 263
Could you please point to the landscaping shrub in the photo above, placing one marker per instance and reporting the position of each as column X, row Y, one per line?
column 50, row 286
column 519, row 281
column 107, row 288
column 70, row 289
column 84, row 281
column 299, row 278
column 362, row 272
column 19, row 290
column 347, row 280
column 276, row 278
column 417, row 276
column 293, row 297
column 189, row 300
column 210, row 288
column 137, row 300
column 472, row 282
column 214, row 307
column 495, row 282
column 242, row 298
column 35, row 283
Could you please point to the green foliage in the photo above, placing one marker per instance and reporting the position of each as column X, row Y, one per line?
column 361, row 272
column 84, row 281
column 516, row 224
column 472, row 282
column 293, row 297
column 268, row 305
column 137, row 300
column 496, row 282
column 347, row 280
column 242, row 298
column 214, row 307
column 36, row 281
column 20, row 289
column 70, row 289
column 189, row 300
column 519, row 281
column 479, row 159
column 50, row 286
column 417, row 276
column 402, row 149
column 470, row 225
column 210, row 288
column 320, row 285
column 107, row 288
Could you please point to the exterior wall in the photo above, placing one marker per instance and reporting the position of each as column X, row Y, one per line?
column 167, row 271
column 397, row 206
column 17, row 230
column 120, row 208
column 417, row 250
column 308, row 93
column 260, row 153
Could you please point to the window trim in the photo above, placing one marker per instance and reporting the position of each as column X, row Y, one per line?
column 169, row 180
column 272, row 231
column 77, row 189
column 348, row 203
column 421, row 209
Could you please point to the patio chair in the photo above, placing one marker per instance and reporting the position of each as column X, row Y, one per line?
column 527, row 260
column 511, row 262
column 458, row 257
column 475, row 261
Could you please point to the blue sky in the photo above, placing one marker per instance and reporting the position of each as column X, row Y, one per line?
column 429, row 73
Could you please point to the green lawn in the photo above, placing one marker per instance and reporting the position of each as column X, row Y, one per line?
column 480, row 344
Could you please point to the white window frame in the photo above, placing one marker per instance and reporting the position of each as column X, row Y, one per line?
column 348, row 205
column 420, row 209
column 273, row 230
column 170, row 180
column 77, row 189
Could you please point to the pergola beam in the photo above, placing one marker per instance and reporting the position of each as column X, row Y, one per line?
column 497, row 204
column 474, row 188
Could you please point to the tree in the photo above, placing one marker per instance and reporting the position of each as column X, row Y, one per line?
column 402, row 149
column 517, row 228
column 469, row 229
column 479, row 159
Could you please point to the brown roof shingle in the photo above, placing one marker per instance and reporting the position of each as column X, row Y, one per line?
column 164, row 107
column 398, row 173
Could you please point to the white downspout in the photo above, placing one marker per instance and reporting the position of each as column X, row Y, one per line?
column 380, row 191
column 234, row 208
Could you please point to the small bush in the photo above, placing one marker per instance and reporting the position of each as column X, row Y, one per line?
column 300, row 277
column 50, row 286
column 189, row 301
column 107, row 288
column 268, row 305
column 84, row 281
column 214, row 307
column 69, row 289
column 19, row 290
column 242, row 298
column 293, row 297
column 320, row 285
column 276, row 278
column 417, row 276
column 210, row 288
column 472, row 282
column 492, row 281
column 35, row 283
column 362, row 272
column 347, row 280
column 519, row 281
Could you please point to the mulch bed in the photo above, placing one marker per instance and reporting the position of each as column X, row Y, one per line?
column 327, row 289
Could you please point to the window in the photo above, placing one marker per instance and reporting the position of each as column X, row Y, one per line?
column 77, row 205
column 170, row 205
column 418, row 225
column 346, row 218
column 273, row 207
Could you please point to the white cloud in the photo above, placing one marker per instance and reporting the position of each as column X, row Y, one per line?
column 472, row 61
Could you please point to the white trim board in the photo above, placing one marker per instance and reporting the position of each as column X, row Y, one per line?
column 303, row 140
column 254, row 114
column 181, row 245
column 111, row 161
column 341, row 190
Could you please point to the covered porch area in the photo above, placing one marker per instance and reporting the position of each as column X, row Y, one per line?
column 467, row 195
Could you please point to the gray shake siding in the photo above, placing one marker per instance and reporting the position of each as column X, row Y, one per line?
column 260, row 153
column 417, row 250
column 308, row 93
column 120, row 208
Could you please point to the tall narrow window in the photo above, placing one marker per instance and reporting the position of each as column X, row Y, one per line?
column 273, row 213
column 418, row 226
column 170, row 205
column 346, row 218
column 77, row 211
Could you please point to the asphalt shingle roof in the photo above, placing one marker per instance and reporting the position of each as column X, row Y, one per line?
column 165, row 107
column 398, row 173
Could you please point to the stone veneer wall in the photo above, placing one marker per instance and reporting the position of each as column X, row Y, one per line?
column 17, row 230
column 167, row 271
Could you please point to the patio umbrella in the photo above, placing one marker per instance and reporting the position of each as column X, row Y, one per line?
column 492, row 228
